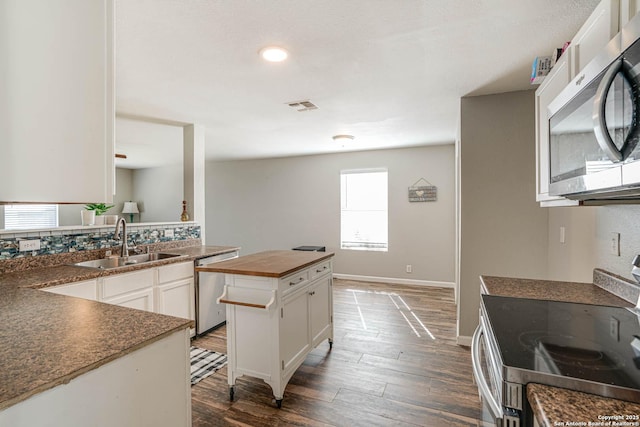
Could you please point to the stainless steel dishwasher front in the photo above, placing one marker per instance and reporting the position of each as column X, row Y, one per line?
column 209, row 286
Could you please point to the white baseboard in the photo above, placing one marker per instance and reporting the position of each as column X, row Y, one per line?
column 394, row 280
column 462, row 340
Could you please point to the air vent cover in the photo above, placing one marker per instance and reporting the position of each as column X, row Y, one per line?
column 302, row 105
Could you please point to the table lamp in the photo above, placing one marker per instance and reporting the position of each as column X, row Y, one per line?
column 130, row 208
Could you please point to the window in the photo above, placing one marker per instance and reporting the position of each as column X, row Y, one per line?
column 20, row 217
column 363, row 211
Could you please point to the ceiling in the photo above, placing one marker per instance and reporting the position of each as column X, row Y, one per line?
column 389, row 72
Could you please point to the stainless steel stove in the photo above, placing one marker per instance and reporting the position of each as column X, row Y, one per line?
column 589, row 348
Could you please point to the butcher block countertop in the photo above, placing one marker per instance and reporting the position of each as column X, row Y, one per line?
column 267, row 264
column 555, row 406
column 583, row 293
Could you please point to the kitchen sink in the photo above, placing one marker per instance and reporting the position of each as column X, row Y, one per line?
column 116, row 262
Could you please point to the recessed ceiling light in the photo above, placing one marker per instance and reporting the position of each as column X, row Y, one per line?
column 343, row 138
column 273, row 54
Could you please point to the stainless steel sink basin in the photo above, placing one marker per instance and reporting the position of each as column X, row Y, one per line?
column 108, row 263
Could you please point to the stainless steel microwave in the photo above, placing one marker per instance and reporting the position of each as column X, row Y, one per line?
column 594, row 153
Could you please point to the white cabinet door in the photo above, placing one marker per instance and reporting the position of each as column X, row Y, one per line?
column 602, row 25
column 124, row 283
column 86, row 289
column 294, row 329
column 142, row 300
column 177, row 299
column 320, row 305
column 552, row 85
column 57, row 101
column 628, row 9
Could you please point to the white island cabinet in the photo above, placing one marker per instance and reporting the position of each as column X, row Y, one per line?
column 279, row 307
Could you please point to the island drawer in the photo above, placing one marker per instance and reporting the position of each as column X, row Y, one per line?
column 319, row 269
column 294, row 281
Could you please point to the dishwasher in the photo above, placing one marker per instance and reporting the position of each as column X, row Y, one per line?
column 210, row 286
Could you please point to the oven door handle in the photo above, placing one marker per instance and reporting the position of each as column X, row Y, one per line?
column 485, row 391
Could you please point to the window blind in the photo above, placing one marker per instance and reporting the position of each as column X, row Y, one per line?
column 22, row 217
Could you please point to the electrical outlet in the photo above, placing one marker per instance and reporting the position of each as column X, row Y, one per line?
column 29, row 245
column 562, row 235
column 409, row 268
column 614, row 243
column 168, row 232
column 614, row 328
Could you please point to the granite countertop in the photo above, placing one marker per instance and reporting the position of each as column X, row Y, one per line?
column 201, row 251
column 551, row 405
column 555, row 406
column 48, row 339
column 267, row 264
column 584, row 293
column 44, row 277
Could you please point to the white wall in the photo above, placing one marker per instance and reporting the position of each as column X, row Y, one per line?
column 588, row 241
column 617, row 219
column 573, row 260
column 124, row 190
column 70, row 214
column 288, row 202
column 503, row 230
column 158, row 192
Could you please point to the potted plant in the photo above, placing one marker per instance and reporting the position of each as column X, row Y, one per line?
column 99, row 209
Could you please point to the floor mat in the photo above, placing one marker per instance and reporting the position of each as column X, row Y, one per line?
column 204, row 363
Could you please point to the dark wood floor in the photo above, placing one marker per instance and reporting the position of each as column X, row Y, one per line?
column 386, row 368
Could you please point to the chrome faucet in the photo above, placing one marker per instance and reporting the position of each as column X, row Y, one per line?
column 124, row 250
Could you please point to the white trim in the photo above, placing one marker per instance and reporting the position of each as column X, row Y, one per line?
column 394, row 280
column 463, row 340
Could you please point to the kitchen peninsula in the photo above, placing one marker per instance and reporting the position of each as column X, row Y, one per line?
column 71, row 361
column 75, row 361
column 279, row 307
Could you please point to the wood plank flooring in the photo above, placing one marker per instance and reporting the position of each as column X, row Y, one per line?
column 394, row 362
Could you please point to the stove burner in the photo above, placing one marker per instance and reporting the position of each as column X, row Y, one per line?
column 564, row 353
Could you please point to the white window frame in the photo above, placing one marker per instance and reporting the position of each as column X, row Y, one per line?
column 379, row 239
column 30, row 216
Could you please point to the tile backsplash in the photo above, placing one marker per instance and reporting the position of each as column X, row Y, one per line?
column 67, row 239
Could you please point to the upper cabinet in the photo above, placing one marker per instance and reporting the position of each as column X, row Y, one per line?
column 57, row 106
column 604, row 23
column 628, row 9
column 552, row 85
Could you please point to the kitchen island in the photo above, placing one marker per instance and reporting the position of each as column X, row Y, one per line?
column 279, row 307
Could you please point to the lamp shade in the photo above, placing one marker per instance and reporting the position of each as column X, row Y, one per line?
column 130, row 208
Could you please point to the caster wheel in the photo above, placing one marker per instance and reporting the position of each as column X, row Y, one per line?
column 279, row 403
column 330, row 344
column 232, row 391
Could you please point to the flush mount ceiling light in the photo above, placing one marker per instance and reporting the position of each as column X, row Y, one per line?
column 273, row 54
column 343, row 138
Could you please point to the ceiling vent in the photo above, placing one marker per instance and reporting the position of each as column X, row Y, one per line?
column 302, row 105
